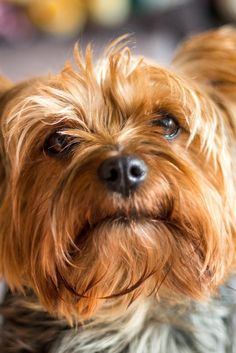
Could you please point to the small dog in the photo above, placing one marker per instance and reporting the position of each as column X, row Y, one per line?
column 117, row 194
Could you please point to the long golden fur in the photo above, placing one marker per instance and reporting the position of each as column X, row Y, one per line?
column 84, row 250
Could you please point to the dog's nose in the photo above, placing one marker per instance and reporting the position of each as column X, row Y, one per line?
column 123, row 174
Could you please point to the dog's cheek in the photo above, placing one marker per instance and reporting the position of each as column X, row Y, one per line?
column 5, row 85
column 5, row 211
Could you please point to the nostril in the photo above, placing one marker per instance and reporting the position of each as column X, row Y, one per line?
column 113, row 175
column 136, row 171
column 110, row 172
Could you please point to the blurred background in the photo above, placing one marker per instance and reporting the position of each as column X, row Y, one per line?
column 37, row 36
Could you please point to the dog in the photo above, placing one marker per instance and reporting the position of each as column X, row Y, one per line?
column 117, row 203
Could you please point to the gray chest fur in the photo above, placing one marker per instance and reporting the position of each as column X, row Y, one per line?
column 148, row 326
column 151, row 327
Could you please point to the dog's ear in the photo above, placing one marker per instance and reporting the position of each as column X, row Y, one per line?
column 5, row 84
column 210, row 60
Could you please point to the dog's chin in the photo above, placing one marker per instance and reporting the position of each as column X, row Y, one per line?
column 120, row 252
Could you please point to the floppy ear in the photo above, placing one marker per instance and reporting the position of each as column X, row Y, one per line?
column 5, row 84
column 210, row 60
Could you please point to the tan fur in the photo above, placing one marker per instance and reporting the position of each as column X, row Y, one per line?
column 61, row 230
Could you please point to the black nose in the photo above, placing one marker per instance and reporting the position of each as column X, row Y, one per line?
column 123, row 174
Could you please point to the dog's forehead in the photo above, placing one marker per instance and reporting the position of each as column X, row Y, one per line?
column 94, row 96
column 123, row 86
column 117, row 82
column 120, row 84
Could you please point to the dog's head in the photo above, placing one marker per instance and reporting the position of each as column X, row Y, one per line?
column 117, row 180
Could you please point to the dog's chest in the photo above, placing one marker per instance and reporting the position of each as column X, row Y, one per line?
column 152, row 329
column 147, row 327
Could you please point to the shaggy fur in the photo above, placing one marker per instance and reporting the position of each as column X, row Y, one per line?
column 146, row 327
column 92, row 255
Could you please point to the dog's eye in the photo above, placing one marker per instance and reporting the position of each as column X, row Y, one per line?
column 168, row 126
column 58, row 144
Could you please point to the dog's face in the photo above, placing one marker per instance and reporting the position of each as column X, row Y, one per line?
column 115, row 184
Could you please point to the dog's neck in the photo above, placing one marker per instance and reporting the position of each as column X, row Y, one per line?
column 147, row 326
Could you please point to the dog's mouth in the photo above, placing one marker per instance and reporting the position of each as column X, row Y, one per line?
column 118, row 220
column 110, row 220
